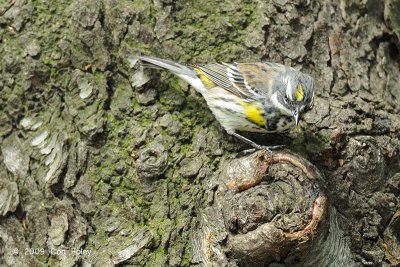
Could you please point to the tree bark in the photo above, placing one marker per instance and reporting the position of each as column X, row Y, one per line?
column 97, row 172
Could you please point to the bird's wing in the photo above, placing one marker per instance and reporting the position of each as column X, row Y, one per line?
column 247, row 80
column 259, row 77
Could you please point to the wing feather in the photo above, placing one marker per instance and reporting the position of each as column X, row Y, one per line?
column 216, row 73
column 246, row 80
column 229, row 78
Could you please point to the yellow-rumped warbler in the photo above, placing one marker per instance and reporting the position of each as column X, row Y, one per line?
column 254, row 97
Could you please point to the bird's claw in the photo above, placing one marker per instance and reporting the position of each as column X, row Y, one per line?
column 269, row 149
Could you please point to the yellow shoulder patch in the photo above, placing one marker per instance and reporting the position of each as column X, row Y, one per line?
column 207, row 82
column 299, row 93
column 254, row 113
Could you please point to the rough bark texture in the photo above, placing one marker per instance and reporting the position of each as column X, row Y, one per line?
column 95, row 172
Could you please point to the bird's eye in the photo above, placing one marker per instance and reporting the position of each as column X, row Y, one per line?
column 286, row 99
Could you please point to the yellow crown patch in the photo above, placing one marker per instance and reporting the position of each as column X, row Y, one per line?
column 299, row 93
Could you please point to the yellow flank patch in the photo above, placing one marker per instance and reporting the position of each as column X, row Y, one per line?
column 254, row 113
column 299, row 93
column 207, row 82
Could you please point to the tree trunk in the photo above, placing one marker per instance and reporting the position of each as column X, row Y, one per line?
column 95, row 171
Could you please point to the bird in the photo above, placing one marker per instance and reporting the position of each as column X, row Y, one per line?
column 262, row 97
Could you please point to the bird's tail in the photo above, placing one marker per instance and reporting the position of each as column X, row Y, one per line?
column 186, row 73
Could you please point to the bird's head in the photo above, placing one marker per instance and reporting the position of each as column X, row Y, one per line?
column 294, row 93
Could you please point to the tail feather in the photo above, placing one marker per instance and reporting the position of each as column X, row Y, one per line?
column 147, row 65
column 173, row 67
column 186, row 73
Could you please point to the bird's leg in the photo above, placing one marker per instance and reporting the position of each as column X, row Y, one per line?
column 253, row 144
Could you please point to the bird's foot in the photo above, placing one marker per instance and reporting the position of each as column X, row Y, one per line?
column 269, row 149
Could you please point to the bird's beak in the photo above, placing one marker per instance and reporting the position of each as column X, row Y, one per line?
column 296, row 116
